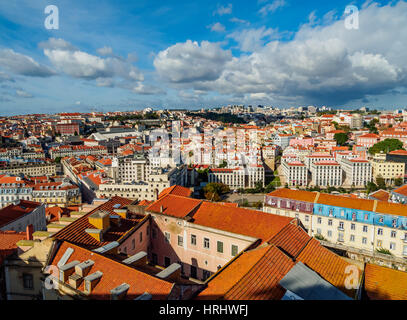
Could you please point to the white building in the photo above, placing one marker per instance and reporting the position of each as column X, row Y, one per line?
column 326, row 173
column 295, row 172
column 358, row 172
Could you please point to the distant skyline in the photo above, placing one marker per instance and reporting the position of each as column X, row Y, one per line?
column 120, row 55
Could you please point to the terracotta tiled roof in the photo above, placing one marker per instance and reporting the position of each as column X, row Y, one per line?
column 176, row 190
column 256, row 224
column 381, row 195
column 114, row 274
column 327, row 264
column 253, row 275
column 383, row 283
column 402, row 190
column 173, row 205
column 292, row 239
column 75, row 232
column 294, row 194
column 340, row 201
column 8, row 240
column 14, row 212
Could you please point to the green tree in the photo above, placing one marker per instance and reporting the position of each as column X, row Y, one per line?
column 398, row 182
column 381, row 184
column 214, row 190
column 224, row 164
column 386, row 146
column 371, row 187
column 341, row 138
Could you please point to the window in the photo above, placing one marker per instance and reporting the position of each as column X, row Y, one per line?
column 234, row 250
column 380, row 231
column 319, row 220
column 180, row 241
column 392, row 246
column 364, row 228
column 205, row 275
column 193, row 239
column 167, row 236
column 330, row 222
column 319, row 231
column 306, row 218
column 133, row 244
column 220, row 246
column 353, row 226
column 364, row 240
column 28, row 282
column 141, row 236
column 155, row 260
column 329, row 233
column 352, row 238
column 341, row 225
column 379, row 243
column 393, row 234
column 206, row 243
column 340, row 236
column 167, row 262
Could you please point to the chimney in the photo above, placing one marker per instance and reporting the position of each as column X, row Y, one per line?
column 29, row 232
column 66, row 270
column 83, row 268
column 121, row 212
column 139, row 259
column 119, row 292
column 91, row 281
column 173, row 272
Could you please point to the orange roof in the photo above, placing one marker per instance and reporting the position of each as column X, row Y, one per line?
column 327, row 264
column 176, row 190
column 8, row 240
column 242, row 221
column 114, row 274
column 383, row 283
column 75, row 232
column 292, row 239
column 253, row 275
column 399, row 152
column 16, row 211
column 402, row 190
column 381, row 195
column 299, row 195
column 173, row 205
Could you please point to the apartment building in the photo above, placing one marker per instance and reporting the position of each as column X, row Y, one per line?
column 368, row 140
column 295, row 172
column 13, row 189
column 326, row 173
column 71, row 151
column 317, row 157
column 388, row 170
column 62, row 194
column 357, row 223
column 129, row 169
column 358, row 172
column 32, row 169
column 16, row 217
column 234, row 178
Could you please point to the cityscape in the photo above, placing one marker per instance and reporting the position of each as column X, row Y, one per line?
column 276, row 179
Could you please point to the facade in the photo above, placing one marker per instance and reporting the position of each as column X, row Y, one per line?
column 387, row 170
column 129, row 169
column 67, row 129
column 234, row 178
column 368, row 140
column 57, row 193
column 358, row 172
column 71, row 151
column 16, row 217
column 30, row 169
column 295, row 172
column 326, row 173
column 363, row 224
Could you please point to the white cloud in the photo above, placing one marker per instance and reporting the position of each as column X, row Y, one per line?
column 23, row 94
column 253, row 39
column 217, row 27
column 23, row 65
column 189, row 62
column 237, row 20
column 323, row 62
column 105, row 51
column 80, row 64
column 272, row 7
column 222, row 10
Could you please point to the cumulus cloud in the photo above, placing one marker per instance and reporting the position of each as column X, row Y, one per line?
column 222, row 10
column 272, row 7
column 321, row 63
column 23, row 65
column 80, row 64
column 217, row 27
column 191, row 61
column 253, row 39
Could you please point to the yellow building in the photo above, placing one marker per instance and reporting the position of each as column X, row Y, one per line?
column 388, row 170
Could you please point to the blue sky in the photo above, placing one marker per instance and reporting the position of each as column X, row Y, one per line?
column 126, row 55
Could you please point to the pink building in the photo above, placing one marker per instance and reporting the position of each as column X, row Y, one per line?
column 367, row 140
